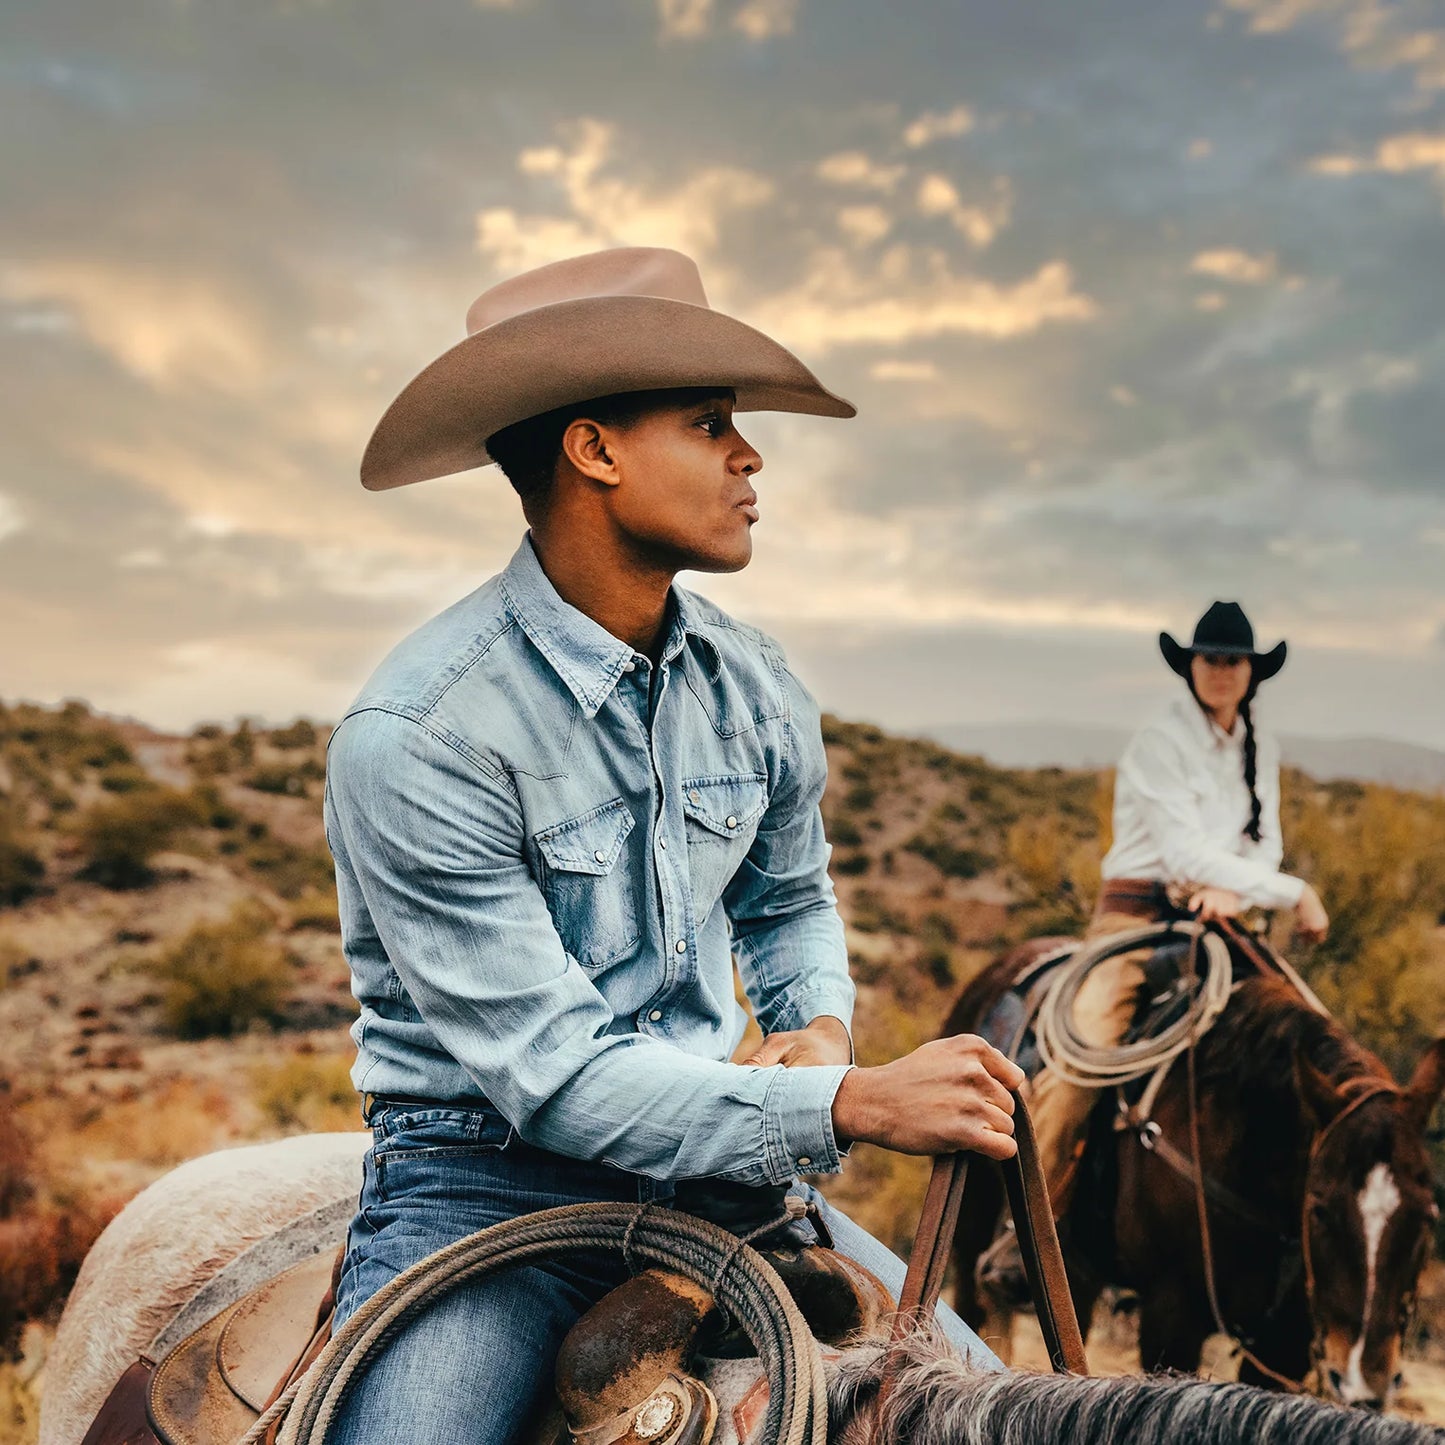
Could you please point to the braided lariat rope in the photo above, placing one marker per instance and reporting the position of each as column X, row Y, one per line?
column 1075, row 1060
column 746, row 1286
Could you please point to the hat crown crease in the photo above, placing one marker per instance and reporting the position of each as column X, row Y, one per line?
column 623, row 271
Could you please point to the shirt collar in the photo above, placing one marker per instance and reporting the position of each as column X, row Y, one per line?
column 1205, row 730
column 588, row 658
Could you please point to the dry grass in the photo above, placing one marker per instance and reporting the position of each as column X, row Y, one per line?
column 307, row 1093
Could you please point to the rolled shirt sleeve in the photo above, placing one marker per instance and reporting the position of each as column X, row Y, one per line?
column 788, row 939
column 1153, row 772
column 433, row 839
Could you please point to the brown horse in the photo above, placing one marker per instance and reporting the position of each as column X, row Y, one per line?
column 1320, row 1200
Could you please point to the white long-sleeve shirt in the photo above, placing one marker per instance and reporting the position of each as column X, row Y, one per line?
column 1181, row 806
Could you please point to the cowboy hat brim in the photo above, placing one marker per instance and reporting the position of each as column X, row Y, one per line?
column 569, row 352
column 1265, row 664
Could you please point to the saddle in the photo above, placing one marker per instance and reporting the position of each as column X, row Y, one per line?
column 1009, row 1023
column 213, row 1385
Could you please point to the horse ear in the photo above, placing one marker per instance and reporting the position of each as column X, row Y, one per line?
column 1319, row 1098
column 1425, row 1087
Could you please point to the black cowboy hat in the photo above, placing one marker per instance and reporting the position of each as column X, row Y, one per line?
column 1223, row 630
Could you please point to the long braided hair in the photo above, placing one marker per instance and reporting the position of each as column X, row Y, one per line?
column 1251, row 752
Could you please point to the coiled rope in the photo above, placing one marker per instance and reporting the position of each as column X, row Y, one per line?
column 1077, row 1061
column 746, row 1286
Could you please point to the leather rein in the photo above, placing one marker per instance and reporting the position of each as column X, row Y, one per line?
column 1033, row 1216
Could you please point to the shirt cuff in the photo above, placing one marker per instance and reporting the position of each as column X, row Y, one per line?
column 798, row 1121
column 1279, row 891
column 804, row 1008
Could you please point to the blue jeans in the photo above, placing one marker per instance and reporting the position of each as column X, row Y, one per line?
column 476, row 1369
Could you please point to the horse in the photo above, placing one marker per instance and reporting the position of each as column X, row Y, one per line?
column 184, row 1230
column 1318, row 1191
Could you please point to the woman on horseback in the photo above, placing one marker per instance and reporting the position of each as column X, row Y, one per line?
column 1196, row 834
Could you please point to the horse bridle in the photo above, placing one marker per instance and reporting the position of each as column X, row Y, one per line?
column 1369, row 1089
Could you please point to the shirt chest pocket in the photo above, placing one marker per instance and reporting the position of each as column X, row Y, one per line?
column 722, row 816
column 590, row 890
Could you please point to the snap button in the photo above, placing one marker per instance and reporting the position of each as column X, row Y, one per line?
column 600, row 856
column 804, row 1162
column 629, row 667
column 732, row 822
column 681, row 945
column 694, row 796
column 655, row 1015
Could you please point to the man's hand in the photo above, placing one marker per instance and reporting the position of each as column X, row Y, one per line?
column 949, row 1095
column 1310, row 919
column 824, row 1041
column 1212, row 904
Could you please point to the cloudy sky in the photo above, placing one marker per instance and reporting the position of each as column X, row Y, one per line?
column 1141, row 303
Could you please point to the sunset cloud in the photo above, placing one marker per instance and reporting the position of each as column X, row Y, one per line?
column 1230, row 264
column 935, row 125
column 756, row 19
column 176, row 332
column 914, row 295
column 1396, row 155
column 607, row 210
column 1375, row 35
column 855, row 168
column 864, row 224
column 938, row 196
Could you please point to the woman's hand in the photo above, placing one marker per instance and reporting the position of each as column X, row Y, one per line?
column 824, row 1041
column 1215, row 903
column 949, row 1095
column 1311, row 920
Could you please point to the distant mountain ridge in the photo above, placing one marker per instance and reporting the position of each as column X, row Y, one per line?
column 1064, row 745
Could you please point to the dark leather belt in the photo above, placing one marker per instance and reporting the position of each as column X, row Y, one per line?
column 370, row 1103
column 1144, row 898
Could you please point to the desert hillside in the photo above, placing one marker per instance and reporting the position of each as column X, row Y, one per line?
column 171, row 977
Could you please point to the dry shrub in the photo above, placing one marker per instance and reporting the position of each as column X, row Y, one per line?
column 220, row 978
column 40, row 1254
column 21, row 870
column 300, row 734
column 120, row 838
column 316, row 909
column 307, row 1093
column 177, row 1119
column 44, row 1236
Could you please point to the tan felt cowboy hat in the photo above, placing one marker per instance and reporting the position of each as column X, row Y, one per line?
column 631, row 319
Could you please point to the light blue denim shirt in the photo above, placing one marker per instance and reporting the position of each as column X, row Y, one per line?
column 547, row 858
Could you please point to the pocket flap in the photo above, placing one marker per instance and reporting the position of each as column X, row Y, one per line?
column 591, row 843
column 725, row 806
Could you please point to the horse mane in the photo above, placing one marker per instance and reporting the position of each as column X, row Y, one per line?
column 937, row 1399
column 1256, row 1041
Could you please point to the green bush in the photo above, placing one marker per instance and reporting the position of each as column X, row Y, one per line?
column 282, row 866
column 120, row 838
column 953, row 859
column 289, row 779
column 125, row 778
column 301, row 734
column 220, row 978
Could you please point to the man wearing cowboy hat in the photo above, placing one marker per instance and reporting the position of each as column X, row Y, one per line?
column 560, row 810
